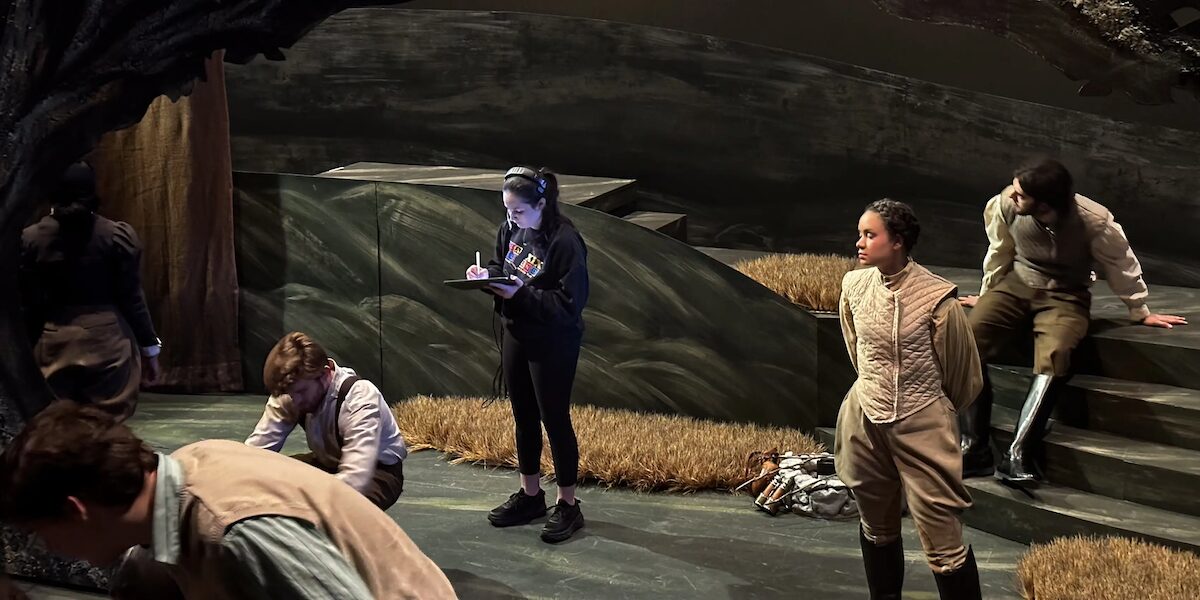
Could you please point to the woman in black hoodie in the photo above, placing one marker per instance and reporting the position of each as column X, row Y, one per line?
column 542, row 310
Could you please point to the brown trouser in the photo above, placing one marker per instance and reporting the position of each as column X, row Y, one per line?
column 917, row 457
column 385, row 487
column 1060, row 320
column 91, row 358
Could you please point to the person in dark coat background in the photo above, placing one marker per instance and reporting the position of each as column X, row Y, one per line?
column 81, row 283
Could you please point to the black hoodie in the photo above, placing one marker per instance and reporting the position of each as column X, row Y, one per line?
column 553, row 267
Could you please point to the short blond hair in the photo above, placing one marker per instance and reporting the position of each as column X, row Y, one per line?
column 295, row 356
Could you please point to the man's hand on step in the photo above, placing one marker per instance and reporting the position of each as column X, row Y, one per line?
column 1164, row 321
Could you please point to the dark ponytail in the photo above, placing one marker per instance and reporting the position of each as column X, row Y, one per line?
column 542, row 185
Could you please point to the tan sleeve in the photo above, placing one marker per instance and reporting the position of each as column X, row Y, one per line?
column 848, row 333
column 1111, row 249
column 957, row 355
column 1001, row 247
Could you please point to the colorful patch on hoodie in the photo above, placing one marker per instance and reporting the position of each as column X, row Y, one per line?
column 531, row 266
column 514, row 251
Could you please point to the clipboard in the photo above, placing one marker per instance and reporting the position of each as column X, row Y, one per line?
column 476, row 284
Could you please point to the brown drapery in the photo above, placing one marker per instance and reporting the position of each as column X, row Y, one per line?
column 170, row 177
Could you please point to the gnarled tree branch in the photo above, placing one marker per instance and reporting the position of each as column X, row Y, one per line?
column 1137, row 46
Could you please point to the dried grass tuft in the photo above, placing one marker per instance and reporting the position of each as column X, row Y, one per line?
column 813, row 281
column 1088, row 568
column 646, row 452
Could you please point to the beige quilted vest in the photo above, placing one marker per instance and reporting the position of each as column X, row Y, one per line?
column 898, row 372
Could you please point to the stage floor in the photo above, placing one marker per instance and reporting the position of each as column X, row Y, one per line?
column 709, row 545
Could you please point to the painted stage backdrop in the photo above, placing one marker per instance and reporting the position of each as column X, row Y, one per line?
column 762, row 147
column 360, row 265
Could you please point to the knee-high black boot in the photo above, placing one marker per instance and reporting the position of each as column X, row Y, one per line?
column 885, row 567
column 962, row 584
column 975, row 433
column 1020, row 461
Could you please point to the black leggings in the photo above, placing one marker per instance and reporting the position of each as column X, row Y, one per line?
column 539, row 375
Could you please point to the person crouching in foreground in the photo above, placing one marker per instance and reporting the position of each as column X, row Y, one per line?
column 214, row 519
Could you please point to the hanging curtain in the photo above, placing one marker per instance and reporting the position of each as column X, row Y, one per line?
column 170, row 177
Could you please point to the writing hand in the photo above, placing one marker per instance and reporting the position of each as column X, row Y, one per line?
column 477, row 272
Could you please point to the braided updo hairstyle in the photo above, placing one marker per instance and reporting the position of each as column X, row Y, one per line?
column 900, row 221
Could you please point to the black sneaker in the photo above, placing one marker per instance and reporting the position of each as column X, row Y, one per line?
column 519, row 509
column 566, row 520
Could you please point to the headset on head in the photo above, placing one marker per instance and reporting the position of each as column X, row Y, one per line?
column 536, row 177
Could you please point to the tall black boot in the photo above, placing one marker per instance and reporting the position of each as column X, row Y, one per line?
column 885, row 567
column 975, row 433
column 962, row 584
column 1020, row 461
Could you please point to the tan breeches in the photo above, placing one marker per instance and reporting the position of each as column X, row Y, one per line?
column 917, row 457
column 1059, row 321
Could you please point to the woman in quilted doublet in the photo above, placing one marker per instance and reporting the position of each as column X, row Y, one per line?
column 897, row 432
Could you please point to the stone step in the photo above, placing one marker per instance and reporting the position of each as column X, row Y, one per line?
column 1139, row 353
column 1051, row 511
column 673, row 225
column 1166, row 477
column 1145, row 411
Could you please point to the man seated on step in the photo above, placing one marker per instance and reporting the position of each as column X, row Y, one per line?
column 214, row 519
column 351, row 431
column 1043, row 241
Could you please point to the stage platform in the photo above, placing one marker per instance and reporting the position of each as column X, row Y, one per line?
column 606, row 194
column 708, row 545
